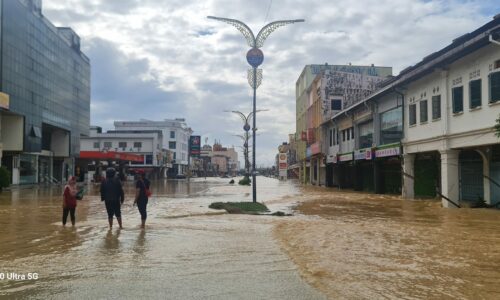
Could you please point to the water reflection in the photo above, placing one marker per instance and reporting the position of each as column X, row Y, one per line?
column 111, row 241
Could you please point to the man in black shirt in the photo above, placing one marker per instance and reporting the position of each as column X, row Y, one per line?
column 113, row 196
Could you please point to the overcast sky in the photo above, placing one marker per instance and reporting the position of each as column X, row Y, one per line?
column 158, row 59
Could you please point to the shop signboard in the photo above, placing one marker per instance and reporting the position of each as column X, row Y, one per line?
column 4, row 101
column 393, row 151
column 283, row 164
column 345, row 157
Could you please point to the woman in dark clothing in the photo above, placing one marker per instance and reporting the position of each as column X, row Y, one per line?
column 69, row 201
column 141, row 196
column 113, row 196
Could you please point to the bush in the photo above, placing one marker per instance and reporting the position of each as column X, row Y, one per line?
column 245, row 181
column 4, row 178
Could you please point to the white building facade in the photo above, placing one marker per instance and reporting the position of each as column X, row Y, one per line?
column 176, row 135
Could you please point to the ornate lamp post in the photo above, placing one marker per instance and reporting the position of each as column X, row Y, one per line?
column 255, row 58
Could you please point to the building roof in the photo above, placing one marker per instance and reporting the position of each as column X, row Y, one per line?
column 459, row 48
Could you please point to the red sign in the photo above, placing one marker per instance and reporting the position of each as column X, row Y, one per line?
column 310, row 136
column 111, row 155
column 303, row 136
column 315, row 148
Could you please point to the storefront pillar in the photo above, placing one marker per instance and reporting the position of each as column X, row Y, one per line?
column 449, row 177
column 486, row 174
column 409, row 176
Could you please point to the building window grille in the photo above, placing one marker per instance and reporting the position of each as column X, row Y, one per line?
column 97, row 145
column 137, row 144
column 413, row 114
column 108, row 145
column 172, row 145
column 475, row 93
column 494, row 87
column 172, row 134
column 457, row 96
column 423, row 111
column 436, row 107
column 122, row 144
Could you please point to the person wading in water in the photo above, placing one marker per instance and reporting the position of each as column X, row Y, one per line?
column 69, row 201
column 141, row 195
column 113, row 196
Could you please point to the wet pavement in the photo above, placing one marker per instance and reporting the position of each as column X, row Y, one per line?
column 186, row 252
column 338, row 245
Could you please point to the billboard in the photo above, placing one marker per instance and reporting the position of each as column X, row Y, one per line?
column 194, row 145
column 283, row 164
column 4, row 101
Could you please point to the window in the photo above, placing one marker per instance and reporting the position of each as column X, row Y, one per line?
column 175, row 155
column 352, row 133
column 172, row 134
column 137, row 144
column 413, row 114
column 171, row 145
column 122, row 144
column 348, row 134
column 108, row 144
column 97, row 145
column 436, row 107
column 331, row 137
column 365, row 135
column 149, row 159
column 391, row 126
column 423, row 111
column 494, row 87
column 457, row 98
column 343, row 135
column 336, row 104
column 475, row 93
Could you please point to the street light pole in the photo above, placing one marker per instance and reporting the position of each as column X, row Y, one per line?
column 255, row 57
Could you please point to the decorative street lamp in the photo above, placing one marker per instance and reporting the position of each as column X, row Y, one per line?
column 246, row 127
column 255, row 58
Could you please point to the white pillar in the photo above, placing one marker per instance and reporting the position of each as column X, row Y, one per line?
column 486, row 175
column 408, row 176
column 449, row 177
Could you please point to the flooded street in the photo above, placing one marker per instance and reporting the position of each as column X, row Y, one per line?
column 338, row 245
column 186, row 252
column 361, row 246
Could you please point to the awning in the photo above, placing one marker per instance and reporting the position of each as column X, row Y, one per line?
column 111, row 155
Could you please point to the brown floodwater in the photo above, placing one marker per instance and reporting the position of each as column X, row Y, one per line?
column 361, row 246
column 186, row 252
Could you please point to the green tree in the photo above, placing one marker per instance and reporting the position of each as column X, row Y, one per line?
column 4, row 178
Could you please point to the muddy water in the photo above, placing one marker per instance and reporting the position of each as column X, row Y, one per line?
column 359, row 246
column 186, row 252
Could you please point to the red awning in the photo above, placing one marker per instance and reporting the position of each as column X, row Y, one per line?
column 111, row 155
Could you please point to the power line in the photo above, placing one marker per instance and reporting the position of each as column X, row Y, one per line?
column 268, row 9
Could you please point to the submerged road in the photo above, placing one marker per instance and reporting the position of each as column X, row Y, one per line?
column 338, row 245
column 186, row 252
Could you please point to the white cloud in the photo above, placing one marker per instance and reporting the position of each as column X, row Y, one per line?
column 185, row 65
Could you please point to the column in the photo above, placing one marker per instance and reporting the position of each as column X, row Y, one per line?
column 449, row 177
column 409, row 176
column 486, row 156
column 377, row 176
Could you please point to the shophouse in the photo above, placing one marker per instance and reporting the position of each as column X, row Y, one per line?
column 126, row 149
column 176, row 135
column 45, row 94
column 322, row 92
column 452, row 99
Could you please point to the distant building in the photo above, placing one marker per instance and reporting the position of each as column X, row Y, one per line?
column 176, row 135
column 45, row 95
column 147, row 145
column 225, row 160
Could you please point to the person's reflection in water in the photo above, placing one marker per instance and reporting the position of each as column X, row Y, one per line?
column 140, row 242
column 111, row 242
